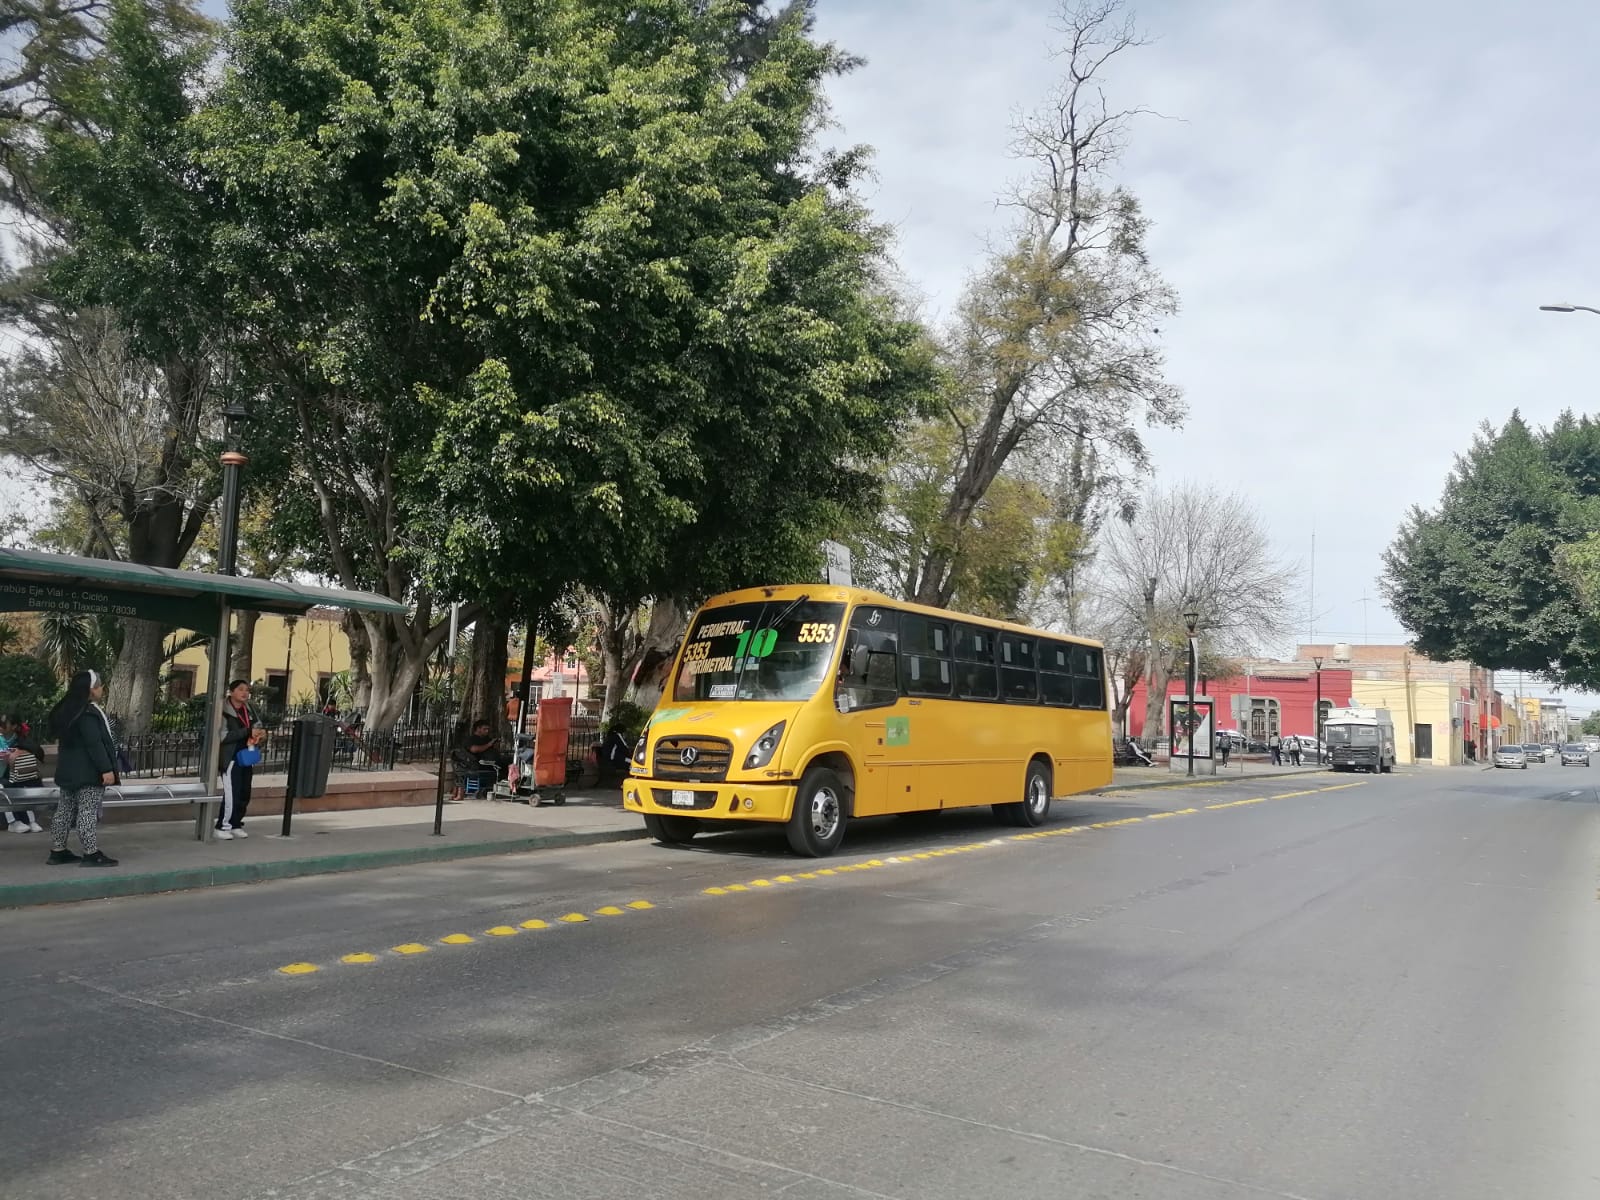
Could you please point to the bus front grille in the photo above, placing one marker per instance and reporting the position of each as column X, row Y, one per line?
column 698, row 759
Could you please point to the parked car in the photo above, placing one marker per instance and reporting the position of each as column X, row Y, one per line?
column 1534, row 751
column 1235, row 738
column 1511, row 756
column 1575, row 754
column 1309, row 746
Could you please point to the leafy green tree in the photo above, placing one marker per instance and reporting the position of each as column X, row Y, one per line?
column 1501, row 573
column 551, row 292
column 114, row 392
column 27, row 687
column 1053, row 347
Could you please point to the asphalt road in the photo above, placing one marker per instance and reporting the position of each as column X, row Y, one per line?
column 1377, row 988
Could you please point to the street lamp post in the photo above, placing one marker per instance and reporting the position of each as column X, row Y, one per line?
column 1190, row 620
column 1317, row 658
column 1566, row 308
column 233, row 461
column 289, row 623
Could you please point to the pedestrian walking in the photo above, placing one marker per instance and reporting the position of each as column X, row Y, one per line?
column 86, row 764
column 1275, row 748
column 237, row 760
column 1224, row 747
column 1294, row 751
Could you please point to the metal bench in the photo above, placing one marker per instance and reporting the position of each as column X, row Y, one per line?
column 138, row 795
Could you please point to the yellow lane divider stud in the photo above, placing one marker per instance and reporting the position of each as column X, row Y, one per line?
column 412, row 948
column 536, row 924
column 359, row 958
column 807, row 875
column 716, row 891
column 610, row 910
column 737, row 887
column 785, row 879
column 640, row 905
column 761, row 883
column 502, row 931
column 458, row 939
column 298, row 969
column 574, row 918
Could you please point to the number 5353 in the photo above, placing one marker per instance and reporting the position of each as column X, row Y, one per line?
column 817, row 632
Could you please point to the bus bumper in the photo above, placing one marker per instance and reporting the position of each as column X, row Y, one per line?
column 709, row 801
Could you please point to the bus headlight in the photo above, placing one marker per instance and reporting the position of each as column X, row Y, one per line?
column 761, row 753
column 638, row 751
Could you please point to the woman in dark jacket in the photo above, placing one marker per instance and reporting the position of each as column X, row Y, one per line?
column 86, row 764
column 239, row 732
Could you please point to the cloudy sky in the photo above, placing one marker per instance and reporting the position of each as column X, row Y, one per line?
column 1361, row 205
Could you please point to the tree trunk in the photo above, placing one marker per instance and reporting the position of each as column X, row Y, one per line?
column 131, row 693
column 1155, row 700
column 484, row 697
column 646, row 669
column 618, row 639
column 360, row 661
column 242, row 647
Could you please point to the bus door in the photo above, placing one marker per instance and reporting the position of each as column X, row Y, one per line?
column 877, row 718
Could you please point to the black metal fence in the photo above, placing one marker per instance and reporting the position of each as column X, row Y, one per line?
column 168, row 752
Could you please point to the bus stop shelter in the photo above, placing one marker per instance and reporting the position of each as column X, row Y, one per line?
column 37, row 581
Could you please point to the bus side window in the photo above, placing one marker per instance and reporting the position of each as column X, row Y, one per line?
column 1055, row 674
column 975, row 666
column 1018, row 681
column 924, row 656
column 867, row 675
column 1089, row 689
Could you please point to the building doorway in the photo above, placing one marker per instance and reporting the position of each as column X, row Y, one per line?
column 1424, row 736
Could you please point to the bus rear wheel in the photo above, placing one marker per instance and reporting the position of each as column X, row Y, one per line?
column 1034, row 807
column 671, row 831
column 816, row 826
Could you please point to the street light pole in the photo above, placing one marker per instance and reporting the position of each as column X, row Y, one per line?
column 233, row 461
column 1317, row 658
column 1190, row 620
column 289, row 622
column 1566, row 308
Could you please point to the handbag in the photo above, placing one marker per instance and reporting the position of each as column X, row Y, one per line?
column 248, row 757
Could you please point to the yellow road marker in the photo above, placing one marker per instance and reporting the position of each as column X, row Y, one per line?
column 807, row 875
column 761, row 883
column 737, row 887
column 412, row 948
column 536, row 924
column 457, row 939
column 827, row 871
column 298, row 969
column 716, row 891
column 641, row 905
column 574, row 918
column 501, row 931
column 610, row 910
column 359, row 958
column 785, row 879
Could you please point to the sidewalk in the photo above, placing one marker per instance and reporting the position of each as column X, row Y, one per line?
column 163, row 856
column 1133, row 778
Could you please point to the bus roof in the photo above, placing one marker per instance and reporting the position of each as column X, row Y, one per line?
column 841, row 594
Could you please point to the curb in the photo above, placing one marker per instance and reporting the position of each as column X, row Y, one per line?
column 1185, row 781
column 106, row 887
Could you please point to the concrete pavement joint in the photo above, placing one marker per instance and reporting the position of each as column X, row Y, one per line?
column 411, row 949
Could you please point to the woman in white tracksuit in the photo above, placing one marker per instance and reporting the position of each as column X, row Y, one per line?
column 238, row 732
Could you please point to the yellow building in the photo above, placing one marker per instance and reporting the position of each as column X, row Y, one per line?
column 310, row 650
column 1427, row 717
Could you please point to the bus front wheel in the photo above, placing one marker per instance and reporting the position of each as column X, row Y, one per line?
column 816, row 826
column 671, row 831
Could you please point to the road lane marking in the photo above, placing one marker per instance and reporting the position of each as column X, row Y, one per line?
column 409, row 949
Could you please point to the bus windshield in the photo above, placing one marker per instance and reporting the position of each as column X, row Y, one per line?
column 772, row 650
column 1351, row 735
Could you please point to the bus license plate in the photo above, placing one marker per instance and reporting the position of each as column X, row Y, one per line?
column 682, row 799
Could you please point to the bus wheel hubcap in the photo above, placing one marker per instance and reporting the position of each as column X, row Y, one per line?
column 824, row 813
column 1036, row 794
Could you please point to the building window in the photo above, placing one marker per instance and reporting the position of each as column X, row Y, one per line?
column 278, row 683
column 180, row 684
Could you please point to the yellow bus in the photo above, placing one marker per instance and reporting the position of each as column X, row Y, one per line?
column 809, row 705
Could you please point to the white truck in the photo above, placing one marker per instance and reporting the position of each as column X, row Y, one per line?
column 1360, row 739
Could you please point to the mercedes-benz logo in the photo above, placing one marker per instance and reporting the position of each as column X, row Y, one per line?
column 688, row 756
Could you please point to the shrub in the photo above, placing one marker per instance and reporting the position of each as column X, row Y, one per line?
column 27, row 687
column 627, row 719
